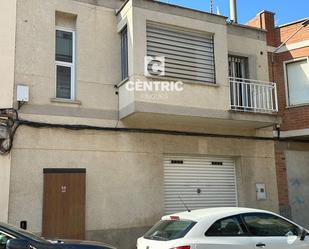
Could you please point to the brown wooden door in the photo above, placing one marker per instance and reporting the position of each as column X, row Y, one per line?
column 64, row 203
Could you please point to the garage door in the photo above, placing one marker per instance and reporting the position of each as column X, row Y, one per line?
column 199, row 182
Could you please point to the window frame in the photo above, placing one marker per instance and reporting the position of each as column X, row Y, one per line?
column 70, row 65
column 286, row 82
column 241, row 223
column 257, row 213
column 124, row 57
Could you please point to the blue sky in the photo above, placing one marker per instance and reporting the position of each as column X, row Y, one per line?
column 286, row 10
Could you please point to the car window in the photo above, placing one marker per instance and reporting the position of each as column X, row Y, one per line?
column 26, row 234
column 262, row 224
column 230, row 226
column 4, row 239
column 169, row 230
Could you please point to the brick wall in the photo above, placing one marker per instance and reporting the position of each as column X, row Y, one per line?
column 265, row 20
column 284, row 32
column 293, row 118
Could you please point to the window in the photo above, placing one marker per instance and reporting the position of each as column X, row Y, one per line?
column 169, row 230
column 262, row 224
column 238, row 66
column 65, row 68
column 188, row 54
column 124, row 54
column 297, row 77
column 230, row 226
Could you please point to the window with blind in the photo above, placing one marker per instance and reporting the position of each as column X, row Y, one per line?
column 189, row 55
column 297, row 76
column 65, row 64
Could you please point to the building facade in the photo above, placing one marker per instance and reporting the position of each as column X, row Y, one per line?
column 289, row 68
column 94, row 150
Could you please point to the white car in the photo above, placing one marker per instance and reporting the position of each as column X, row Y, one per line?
column 225, row 228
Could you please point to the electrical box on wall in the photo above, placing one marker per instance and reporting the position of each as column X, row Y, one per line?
column 22, row 93
column 261, row 191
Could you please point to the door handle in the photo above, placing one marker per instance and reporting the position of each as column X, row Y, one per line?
column 261, row 245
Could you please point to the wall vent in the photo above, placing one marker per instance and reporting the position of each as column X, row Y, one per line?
column 216, row 163
column 176, row 161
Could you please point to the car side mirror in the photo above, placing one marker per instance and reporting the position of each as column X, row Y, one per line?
column 17, row 244
column 303, row 235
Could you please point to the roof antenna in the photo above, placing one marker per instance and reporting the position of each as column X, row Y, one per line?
column 211, row 6
column 184, row 204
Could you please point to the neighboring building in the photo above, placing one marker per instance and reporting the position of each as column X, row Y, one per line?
column 289, row 52
column 210, row 144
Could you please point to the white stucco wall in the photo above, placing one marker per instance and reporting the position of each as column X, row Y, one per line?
column 7, row 57
column 125, row 172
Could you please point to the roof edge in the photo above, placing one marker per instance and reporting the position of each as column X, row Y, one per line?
column 293, row 22
column 246, row 26
column 175, row 6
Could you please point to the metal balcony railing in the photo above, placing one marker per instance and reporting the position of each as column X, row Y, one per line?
column 249, row 95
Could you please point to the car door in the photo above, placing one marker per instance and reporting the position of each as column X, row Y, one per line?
column 226, row 233
column 269, row 231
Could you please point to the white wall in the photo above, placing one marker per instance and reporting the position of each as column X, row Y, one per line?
column 7, row 57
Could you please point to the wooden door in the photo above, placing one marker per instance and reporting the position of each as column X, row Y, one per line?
column 64, row 203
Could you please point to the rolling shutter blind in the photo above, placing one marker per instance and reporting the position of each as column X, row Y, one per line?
column 189, row 55
column 215, row 178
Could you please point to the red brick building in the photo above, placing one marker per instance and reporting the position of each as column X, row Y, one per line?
column 288, row 51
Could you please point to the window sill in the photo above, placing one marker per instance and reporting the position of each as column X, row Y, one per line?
column 123, row 82
column 65, row 101
column 183, row 81
column 296, row 106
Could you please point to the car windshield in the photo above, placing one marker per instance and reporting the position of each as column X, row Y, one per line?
column 26, row 234
column 166, row 230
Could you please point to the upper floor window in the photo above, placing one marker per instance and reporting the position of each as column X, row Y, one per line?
column 124, row 54
column 238, row 66
column 65, row 64
column 230, row 226
column 297, row 78
column 188, row 55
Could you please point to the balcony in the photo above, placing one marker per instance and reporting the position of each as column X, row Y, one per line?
column 249, row 95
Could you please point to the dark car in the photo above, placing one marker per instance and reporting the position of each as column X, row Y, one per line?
column 15, row 238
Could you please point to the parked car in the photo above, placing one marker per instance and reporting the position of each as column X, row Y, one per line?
column 225, row 228
column 15, row 238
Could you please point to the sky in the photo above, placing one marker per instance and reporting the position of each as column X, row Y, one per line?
column 286, row 10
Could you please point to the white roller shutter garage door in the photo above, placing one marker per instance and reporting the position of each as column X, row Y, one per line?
column 199, row 182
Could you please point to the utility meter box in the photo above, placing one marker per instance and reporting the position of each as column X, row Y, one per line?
column 22, row 94
column 261, row 191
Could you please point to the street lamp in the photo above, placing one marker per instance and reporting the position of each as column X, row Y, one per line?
column 304, row 24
